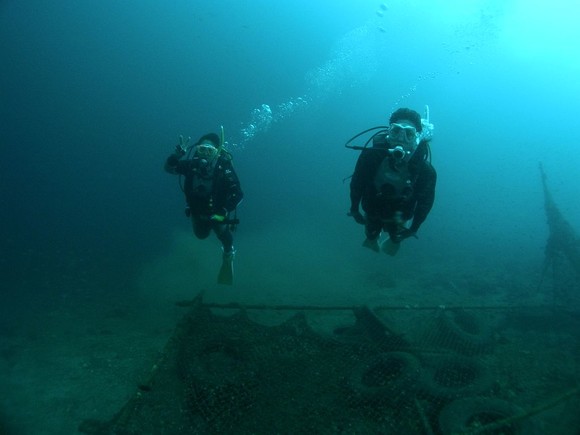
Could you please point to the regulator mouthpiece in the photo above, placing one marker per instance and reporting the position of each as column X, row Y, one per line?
column 398, row 152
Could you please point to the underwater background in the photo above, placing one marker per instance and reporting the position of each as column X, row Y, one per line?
column 93, row 96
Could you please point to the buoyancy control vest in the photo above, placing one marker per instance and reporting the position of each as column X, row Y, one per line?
column 393, row 181
column 201, row 180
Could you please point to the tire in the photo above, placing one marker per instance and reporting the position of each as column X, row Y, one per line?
column 390, row 377
column 464, row 332
column 453, row 377
column 464, row 415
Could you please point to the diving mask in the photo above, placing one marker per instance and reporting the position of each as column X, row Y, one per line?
column 403, row 133
column 206, row 151
column 403, row 140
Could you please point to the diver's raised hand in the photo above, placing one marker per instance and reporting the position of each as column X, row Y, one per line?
column 182, row 146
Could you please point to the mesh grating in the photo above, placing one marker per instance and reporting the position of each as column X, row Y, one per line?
column 374, row 371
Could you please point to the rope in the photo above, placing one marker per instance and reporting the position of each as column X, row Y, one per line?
column 239, row 306
column 488, row 428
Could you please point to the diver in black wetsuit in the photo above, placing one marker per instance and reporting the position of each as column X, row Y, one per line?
column 212, row 191
column 394, row 182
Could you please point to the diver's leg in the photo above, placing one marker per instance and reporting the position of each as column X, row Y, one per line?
column 201, row 226
column 389, row 246
column 373, row 228
column 225, row 236
column 226, row 273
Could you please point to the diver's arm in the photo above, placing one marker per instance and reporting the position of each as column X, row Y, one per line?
column 355, row 198
column 172, row 163
column 364, row 171
column 425, row 197
column 358, row 181
column 234, row 191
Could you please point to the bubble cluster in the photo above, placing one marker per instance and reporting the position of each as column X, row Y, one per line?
column 260, row 120
column 263, row 117
column 351, row 63
column 290, row 107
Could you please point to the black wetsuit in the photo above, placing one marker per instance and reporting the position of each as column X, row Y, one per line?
column 385, row 190
column 210, row 189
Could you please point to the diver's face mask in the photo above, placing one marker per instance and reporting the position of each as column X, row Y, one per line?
column 206, row 151
column 403, row 139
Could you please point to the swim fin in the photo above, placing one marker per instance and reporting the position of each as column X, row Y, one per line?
column 390, row 248
column 373, row 245
column 226, row 274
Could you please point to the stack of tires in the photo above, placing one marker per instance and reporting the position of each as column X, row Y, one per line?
column 454, row 387
column 389, row 378
column 463, row 332
column 460, row 384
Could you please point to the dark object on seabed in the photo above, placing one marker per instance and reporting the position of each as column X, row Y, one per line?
column 464, row 331
column 563, row 245
column 391, row 377
column 378, row 330
column 453, row 376
column 562, row 236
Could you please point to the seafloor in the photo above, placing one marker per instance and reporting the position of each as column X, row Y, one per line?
column 78, row 354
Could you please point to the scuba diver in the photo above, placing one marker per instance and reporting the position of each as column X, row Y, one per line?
column 394, row 180
column 212, row 191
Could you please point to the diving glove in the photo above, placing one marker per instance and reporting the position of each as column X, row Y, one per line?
column 219, row 215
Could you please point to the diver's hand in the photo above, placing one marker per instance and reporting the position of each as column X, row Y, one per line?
column 405, row 233
column 182, row 146
column 358, row 217
column 219, row 215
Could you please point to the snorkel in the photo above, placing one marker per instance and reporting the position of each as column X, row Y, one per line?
column 427, row 127
column 222, row 147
